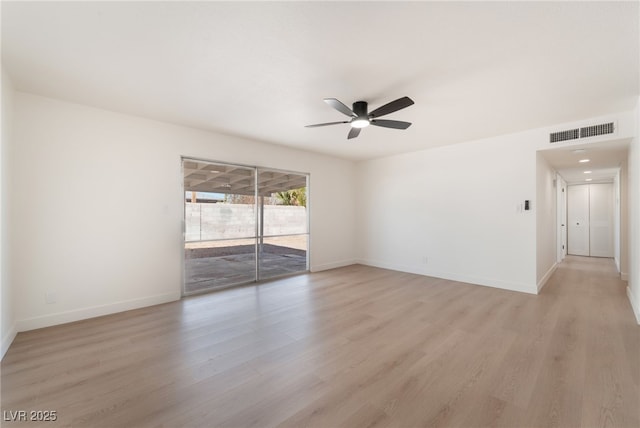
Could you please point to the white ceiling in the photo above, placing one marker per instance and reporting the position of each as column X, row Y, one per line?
column 605, row 158
column 261, row 70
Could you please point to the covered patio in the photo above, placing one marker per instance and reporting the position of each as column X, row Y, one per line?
column 221, row 252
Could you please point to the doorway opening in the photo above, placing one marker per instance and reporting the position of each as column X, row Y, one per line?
column 242, row 224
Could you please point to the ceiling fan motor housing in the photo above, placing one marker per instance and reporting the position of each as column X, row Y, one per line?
column 360, row 109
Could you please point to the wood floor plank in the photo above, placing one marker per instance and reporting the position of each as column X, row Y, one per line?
column 605, row 390
column 557, row 396
column 350, row 347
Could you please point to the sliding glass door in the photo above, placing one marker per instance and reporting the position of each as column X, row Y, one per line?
column 283, row 234
column 220, row 225
column 242, row 224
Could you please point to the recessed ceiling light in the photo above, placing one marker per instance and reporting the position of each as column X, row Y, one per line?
column 588, row 179
column 584, row 160
column 587, row 172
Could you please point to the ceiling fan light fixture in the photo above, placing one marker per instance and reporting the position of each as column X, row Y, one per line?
column 360, row 123
column 360, row 117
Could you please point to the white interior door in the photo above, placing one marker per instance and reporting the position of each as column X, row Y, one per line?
column 578, row 220
column 601, row 220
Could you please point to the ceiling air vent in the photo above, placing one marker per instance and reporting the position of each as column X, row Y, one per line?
column 584, row 132
column 592, row 131
column 572, row 134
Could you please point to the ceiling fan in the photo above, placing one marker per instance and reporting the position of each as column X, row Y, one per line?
column 361, row 119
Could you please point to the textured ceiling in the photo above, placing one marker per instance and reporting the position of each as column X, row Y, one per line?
column 261, row 70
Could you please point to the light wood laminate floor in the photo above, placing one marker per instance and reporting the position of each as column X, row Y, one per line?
column 351, row 347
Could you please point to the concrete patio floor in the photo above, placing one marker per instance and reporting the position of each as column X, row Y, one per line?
column 208, row 270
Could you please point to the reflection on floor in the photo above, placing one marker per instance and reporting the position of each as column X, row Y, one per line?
column 207, row 268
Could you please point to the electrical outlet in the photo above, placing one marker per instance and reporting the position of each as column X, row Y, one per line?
column 425, row 260
column 50, row 297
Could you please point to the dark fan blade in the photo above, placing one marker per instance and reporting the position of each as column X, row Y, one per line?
column 339, row 106
column 353, row 133
column 395, row 124
column 326, row 124
column 396, row 105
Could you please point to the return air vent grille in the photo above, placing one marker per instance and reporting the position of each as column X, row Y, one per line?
column 584, row 132
column 572, row 134
column 592, row 131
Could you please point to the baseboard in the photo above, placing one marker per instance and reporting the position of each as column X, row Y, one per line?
column 624, row 276
column 470, row 279
column 546, row 276
column 636, row 309
column 7, row 340
column 334, row 265
column 94, row 311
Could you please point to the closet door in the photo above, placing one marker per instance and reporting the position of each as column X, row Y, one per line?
column 578, row 220
column 601, row 220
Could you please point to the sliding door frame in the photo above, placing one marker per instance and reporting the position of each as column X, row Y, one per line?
column 259, row 221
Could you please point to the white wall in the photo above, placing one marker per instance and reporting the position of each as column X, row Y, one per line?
column 561, row 218
column 633, row 290
column 616, row 220
column 7, row 317
column 546, row 221
column 624, row 222
column 458, row 207
column 85, row 181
